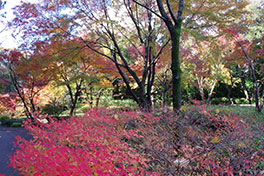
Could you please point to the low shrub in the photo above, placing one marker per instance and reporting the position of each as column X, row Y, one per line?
column 198, row 141
column 240, row 101
column 4, row 117
column 9, row 122
column 16, row 125
column 88, row 145
column 220, row 100
column 52, row 110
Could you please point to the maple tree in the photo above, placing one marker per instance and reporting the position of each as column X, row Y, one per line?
column 134, row 51
column 133, row 45
column 248, row 47
column 27, row 80
column 70, row 64
column 198, row 18
column 208, row 65
column 253, row 65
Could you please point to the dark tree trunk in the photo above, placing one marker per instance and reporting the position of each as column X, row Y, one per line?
column 175, row 67
column 20, row 94
column 174, row 24
column 98, row 96
column 75, row 96
column 258, row 107
column 91, row 96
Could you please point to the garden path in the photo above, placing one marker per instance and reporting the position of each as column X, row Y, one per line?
column 7, row 137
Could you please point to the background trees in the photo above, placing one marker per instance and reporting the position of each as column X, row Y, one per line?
column 26, row 83
column 136, row 41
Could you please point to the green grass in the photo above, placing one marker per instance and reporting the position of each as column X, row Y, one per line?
column 243, row 111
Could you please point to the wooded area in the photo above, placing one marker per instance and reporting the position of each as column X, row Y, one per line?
column 154, row 56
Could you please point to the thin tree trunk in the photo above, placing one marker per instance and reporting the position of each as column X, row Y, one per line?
column 74, row 98
column 98, row 96
column 15, row 83
column 211, row 92
column 91, row 97
column 258, row 108
column 201, row 88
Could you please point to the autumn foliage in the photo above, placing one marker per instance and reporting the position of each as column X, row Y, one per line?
column 105, row 142
column 88, row 145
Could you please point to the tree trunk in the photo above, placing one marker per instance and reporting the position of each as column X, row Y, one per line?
column 174, row 24
column 243, row 84
column 258, row 108
column 74, row 98
column 175, row 67
column 98, row 96
column 229, row 90
column 211, row 92
column 91, row 96
column 20, row 94
column 200, row 82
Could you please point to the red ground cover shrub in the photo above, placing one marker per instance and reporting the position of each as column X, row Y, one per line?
column 198, row 141
column 88, row 145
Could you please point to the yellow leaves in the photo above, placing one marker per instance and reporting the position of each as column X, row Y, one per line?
column 216, row 140
column 116, row 117
column 105, row 82
column 217, row 111
column 183, row 108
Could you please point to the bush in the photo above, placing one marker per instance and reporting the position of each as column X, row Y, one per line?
column 198, row 142
column 88, row 145
column 6, row 121
column 220, row 100
column 240, row 101
column 52, row 110
column 4, row 118
column 103, row 142
column 16, row 125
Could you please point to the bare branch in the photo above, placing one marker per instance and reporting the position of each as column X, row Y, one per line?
column 171, row 11
column 149, row 9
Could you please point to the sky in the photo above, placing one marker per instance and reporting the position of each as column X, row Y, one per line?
column 6, row 39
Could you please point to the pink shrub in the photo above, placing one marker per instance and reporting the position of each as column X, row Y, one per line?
column 88, row 145
column 205, row 141
column 103, row 142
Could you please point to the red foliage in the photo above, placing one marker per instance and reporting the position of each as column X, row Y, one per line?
column 104, row 142
column 88, row 145
column 7, row 102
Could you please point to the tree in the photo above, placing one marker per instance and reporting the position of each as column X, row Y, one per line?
column 248, row 45
column 254, row 64
column 198, row 18
column 70, row 64
column 26, row 77
column 102, row 24
column 98, row 25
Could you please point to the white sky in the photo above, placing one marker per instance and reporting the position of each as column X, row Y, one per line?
column 6, row 39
